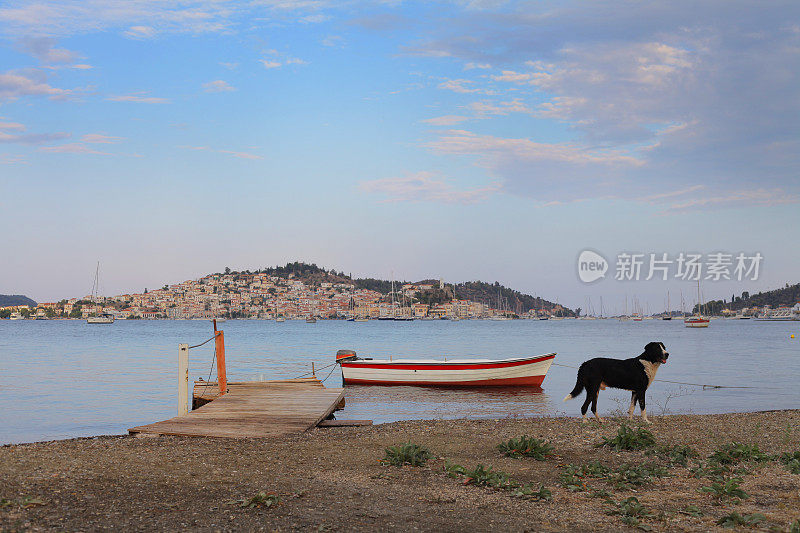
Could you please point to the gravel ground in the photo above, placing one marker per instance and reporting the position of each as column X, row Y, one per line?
column 332, row 479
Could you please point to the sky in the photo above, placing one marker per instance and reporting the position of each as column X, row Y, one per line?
column 458, row 140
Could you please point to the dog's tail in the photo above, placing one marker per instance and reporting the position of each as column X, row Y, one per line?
column 578, row 386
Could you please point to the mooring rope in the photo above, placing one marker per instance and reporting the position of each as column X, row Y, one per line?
column 314, row 371
column 202, row 343
column 704, row 385
column 329, row 373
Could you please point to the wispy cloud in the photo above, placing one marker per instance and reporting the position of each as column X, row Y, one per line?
column 140, row 32
column 465, row 142
column 138, row 98
column 218, row 86
column 232, row 153
column 425, row 187
column 100, row 138
column 72, row 148
column 14, row 85
column 43, row 49
column 31, row 138
column 136, row 18
column 460, row 86
column 734, row 199
column 446, row 120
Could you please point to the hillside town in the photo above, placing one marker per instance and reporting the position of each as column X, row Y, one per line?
column 264, row 296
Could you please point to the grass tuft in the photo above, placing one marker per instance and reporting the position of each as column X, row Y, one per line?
column 407, row 454
column 628, row 438
column 678, row 454
column 526, row 446
column 726, row 488
column 487, row 477
column 630, row 512
column 736, row 452
column 734, row 519
column 692, row 510
column 792, row 461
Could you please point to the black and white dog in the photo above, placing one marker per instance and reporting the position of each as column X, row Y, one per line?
column 634, row 374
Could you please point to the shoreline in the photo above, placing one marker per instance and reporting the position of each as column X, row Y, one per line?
column 332, row 478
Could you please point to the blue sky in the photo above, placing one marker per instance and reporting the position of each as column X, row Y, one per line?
column 461, row 140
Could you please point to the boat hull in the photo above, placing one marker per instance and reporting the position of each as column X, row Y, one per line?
column 529, row 371
column 696, row 322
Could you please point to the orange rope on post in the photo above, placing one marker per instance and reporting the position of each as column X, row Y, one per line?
column 219, row 347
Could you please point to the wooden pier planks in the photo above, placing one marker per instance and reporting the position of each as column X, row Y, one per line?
column 254, row 409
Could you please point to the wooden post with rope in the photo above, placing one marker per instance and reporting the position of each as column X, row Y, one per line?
column 219, row 348
column 183, row 379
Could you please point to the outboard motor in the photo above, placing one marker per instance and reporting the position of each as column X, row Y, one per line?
column 345, row 355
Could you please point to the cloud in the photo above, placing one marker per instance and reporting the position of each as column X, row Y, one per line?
column 465, row 142
column 425, row 187
column 43, row 49
column 484, row 109
column 99, row 138
column 472, row 65
column 332, row 41
column 739, row 199
column 460, row 86
column 447, row 120
column 31, row 138
column 138, row 98
column 278, row 62
column 72, row 148
column 217, row 86
column 232, row 153
column 140, row 19
column 685, row 93
column 230, row 65
column 140, row 32
column 14, row 85
column 241, row 155
column 12, row 126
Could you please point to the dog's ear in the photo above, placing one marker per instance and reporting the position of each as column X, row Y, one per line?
column 653, row 348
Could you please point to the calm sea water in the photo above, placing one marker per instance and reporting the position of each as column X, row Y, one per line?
column 65, row 379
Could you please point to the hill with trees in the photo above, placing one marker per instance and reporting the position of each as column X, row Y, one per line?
column 493, row 294
column 7, row 300
column 788, row 296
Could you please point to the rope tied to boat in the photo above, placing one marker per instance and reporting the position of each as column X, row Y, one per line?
column 704, row 385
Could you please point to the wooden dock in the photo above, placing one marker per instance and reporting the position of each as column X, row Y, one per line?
column 252, row 409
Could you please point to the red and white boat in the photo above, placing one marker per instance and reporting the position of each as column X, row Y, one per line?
column 525, row 371
column 696, row 322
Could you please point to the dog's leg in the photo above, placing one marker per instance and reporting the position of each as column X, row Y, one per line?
column 633, row 406
column 640, row 395
column 585, row 406
column 594, row 404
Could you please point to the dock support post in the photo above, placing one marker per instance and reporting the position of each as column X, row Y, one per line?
column 183, row 379
column 219, row 347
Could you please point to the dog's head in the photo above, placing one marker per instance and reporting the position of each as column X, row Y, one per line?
column 655, row 352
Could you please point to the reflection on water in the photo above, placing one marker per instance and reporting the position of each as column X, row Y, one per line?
column 383, row 404
column 67, row 378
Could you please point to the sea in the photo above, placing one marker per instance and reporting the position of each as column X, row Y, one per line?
column 61, row 379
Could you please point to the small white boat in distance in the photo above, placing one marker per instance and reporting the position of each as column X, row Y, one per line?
column 101, row 319
column 517, row 371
